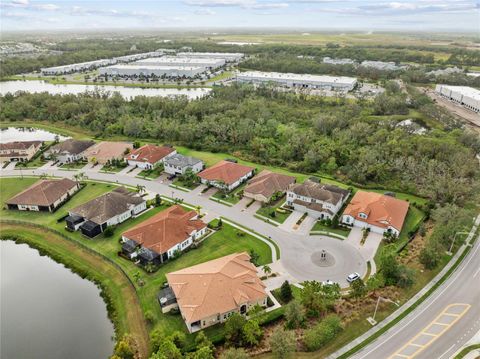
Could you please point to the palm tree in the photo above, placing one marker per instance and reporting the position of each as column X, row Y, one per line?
column 267, row 270
column 43, row 176
column 80, row 176
column 141, row 188
column 198, row 208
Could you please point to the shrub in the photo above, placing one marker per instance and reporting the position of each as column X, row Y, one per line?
column 109, row 231
column 286, row 292
column 322, row 333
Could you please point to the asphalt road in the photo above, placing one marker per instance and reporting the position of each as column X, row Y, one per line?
column 296, row 250
column 442, row 324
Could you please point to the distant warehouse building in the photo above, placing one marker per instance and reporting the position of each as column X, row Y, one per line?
column 463, row 95
column 299, row 80
column 83, row 66
column 151, row 70
column 207, row 63
column 228, row 56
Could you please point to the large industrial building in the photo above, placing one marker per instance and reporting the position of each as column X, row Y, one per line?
column 330, row 61
column 228, row 56
column 207, row 63
column 463, row 95
column 299, row 80
column 151, row 70
column 136, row 57
column 83, row 66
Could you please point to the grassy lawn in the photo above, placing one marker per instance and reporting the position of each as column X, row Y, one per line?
column 231, row 197
column 320, row 227
column 179, row 182
column 73, row 165
column 223, row 242
column 114, row 169
column 153, row 173
column 267, row 210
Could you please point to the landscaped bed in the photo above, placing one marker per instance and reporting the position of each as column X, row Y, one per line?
column 274, row 212
column 153, row 173
column 232, row 197
column 319, row 227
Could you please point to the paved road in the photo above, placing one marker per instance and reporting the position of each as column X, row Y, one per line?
column 442, row 324
column 296, row 249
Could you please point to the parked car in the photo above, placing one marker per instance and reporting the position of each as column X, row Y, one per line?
column 353, row 277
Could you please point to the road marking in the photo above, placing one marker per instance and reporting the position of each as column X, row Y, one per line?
column 478, row 271
column 412, row 349
column 446, row 351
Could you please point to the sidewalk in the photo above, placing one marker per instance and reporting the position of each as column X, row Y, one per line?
column 412, row 300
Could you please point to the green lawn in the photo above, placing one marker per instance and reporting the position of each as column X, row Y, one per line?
column 231, row 197
column 114, row 169
column 223, row 242
column 74, row 165
column 267, row 211
column 153, row 173
column 320, row 227
column 179, row 182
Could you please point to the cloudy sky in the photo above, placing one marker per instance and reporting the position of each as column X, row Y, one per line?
column 453, row 15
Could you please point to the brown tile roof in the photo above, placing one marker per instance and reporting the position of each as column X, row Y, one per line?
column 216, row 287
column 43, row 192
column 166, row 229
column 19, row 145
column 226, row 171
column 381, row 210
column 322, row 192
column 313, row 206
column 71, row 146
column 104, row 151
column 108, row 205
column 149, row 153
column 267, row 183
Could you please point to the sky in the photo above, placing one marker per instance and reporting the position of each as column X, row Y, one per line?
column 402, row 15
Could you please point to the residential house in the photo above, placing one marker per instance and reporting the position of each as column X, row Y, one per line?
column 378, row 212
column 19, row 151
column 209, row 293
column 178, row 164
column 226, row 175
column 149, row 156
column 163, row 235
column 321, row 201
column 106, row 151
column 44, row 195
column 111, row 208
column 266, row 184
column 68, row 151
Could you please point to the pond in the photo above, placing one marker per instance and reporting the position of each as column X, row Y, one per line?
column 10, row 134
column 47, row 311
column 128, row 93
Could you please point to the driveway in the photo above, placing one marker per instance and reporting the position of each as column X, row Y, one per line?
column 10, row 166
column 209, row 193
column 253, row 208
column 134, row 172
column 126, row 170
column 242, row 204
column 369, row 247
column 291, row 221
column 306, row 225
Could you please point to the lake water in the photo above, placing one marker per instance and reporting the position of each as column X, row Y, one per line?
column 47, row 311
column 128, row 93
column 10, row 134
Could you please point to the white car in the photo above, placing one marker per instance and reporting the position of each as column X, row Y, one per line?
column 353, row 277
column 328, row 282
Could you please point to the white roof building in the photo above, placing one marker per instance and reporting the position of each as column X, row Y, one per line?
column 329, row 60
column 210, row 63
column 151, row 70
column 228, row 56
column 299, row 80
column 58, row 70
column 463, row 95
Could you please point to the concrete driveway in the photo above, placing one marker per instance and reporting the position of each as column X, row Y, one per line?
column 253, row 208
column 306, row 225
column 291, row 221
column 134, row 172
column 126, row 170
column 369, row 247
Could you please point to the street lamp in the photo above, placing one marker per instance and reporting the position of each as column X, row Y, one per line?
column 372, row 320
column 449, row 252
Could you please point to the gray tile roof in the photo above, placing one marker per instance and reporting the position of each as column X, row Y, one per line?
column 322, row 192
column 73, row 147
column 181, row 161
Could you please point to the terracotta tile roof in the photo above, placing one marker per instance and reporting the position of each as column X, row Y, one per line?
column 104, row 151
column 322, row 192
column 19, row 145
column 71, row 146
column 43, row 192
column 216, row 287
column 149, row 153
column 226, row 171
column 381, row 210
column 166, row 229
column 267, row 183
column 108, row 205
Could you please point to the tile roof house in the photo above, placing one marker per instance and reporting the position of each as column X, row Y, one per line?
column 178, row 164
column 149, row 156
column 19, row 150
column 381, row 213
column 265, row 184
column 171, row 230
column 44, row 195
column 69, row 150
column 111, row 208
column 319, row 200
column 226, row 175
column 210, row 292
column 105, row 151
